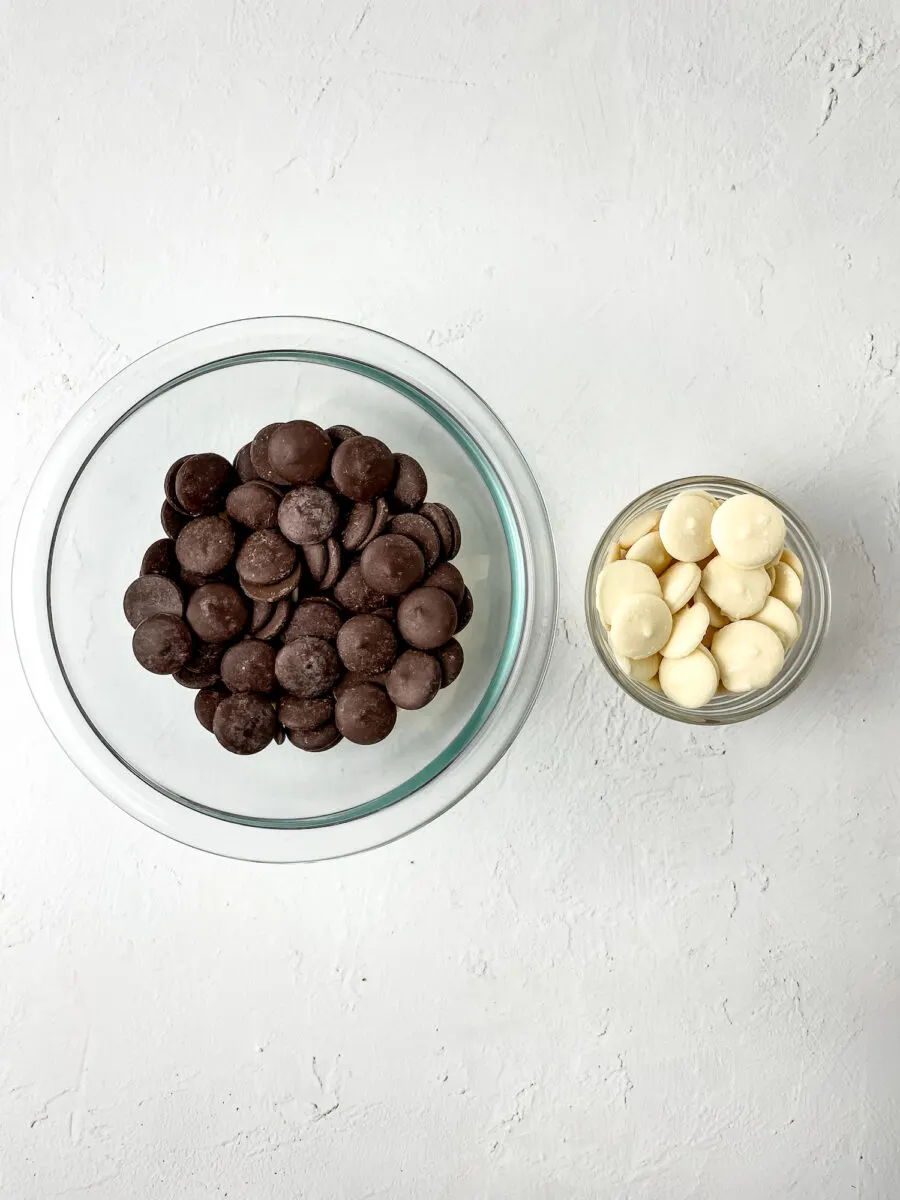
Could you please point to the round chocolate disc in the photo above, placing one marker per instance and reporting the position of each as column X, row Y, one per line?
column 299, row 451
column 352, row 592
column 304, row 715
column 307, row 667
column 190, row 581
column 261, row 612
column 195, row 680
column 439, row 519
column 273, row 591
column 244, row 724
column 367, row 643
column 308, row 515
column 426, row 618
column 202, row 483
column 316, row 559
column 410, row 484
column 160, row 559
column 206, row 545
column 353, row 679
column 451, row 659
column 259, row 455
column 162, row 643
column 202, row 669
column 455, row 530
column 358, row 523
column 387, row 613
column 465, row 610
column 335, row 562
column 172, row 519
column 254, row 504
column 362, row 468
column 379, row 523
column 149, row 595
column 249, row 666
column 205, row 704
column 265, row 557
column 314, row 740
column 280, row 616
column 414, row 680
column 392, row 564
column 311, row 619
column 342, row 433
column 364, row 714
column 447, row 577
column 422, row 532
column 243, row 464
column 217, row 612
column 169, row 485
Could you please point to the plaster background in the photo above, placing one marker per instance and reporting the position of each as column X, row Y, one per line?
column 640, row 962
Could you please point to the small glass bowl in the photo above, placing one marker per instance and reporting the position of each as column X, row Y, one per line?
column 815, row 611
column 94, row 508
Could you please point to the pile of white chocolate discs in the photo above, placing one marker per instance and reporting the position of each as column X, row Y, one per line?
column 701, row 598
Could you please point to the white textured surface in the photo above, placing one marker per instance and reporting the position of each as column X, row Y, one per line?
column 641, row 962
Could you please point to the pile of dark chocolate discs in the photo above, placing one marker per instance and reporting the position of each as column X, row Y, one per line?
column 306, row 590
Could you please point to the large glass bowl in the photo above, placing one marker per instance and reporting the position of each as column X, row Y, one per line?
column 814, row 614
column 94, row 508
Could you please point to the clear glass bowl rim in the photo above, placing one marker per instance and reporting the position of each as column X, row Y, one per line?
column 484, row 435
column 731, row 709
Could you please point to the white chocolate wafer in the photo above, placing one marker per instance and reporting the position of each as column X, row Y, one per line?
column 685, row 527
column 691, row 681
column 787, row 586
column 641, row 624
column 716, row 617
column 641, row 670
column 737, row 592
column 791, row 559
column 650, row 550
column 780, row 619
column 638, row 526
column 620, row 579
column 749, row 655
column 688, row 627
column 748, row 531
column 714, row 501
column 679, row 583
